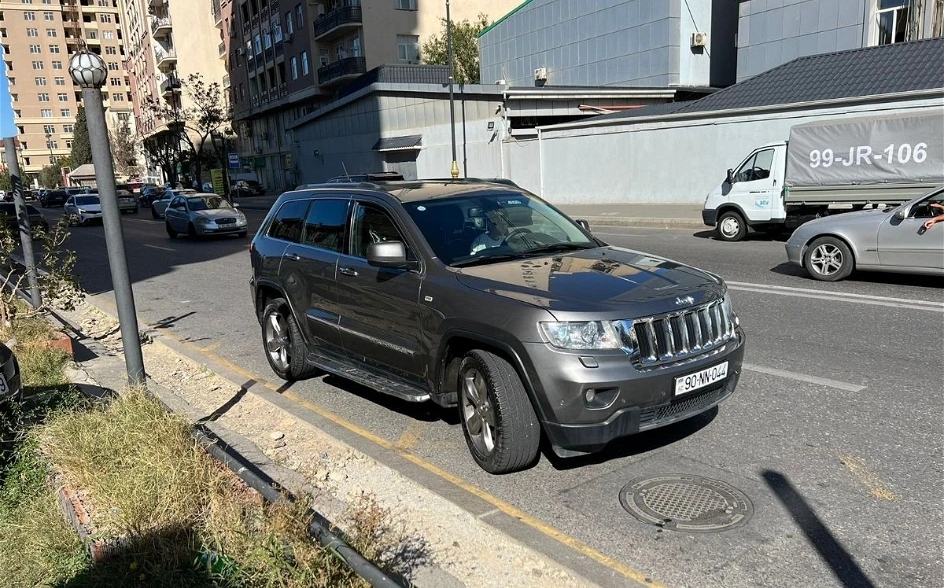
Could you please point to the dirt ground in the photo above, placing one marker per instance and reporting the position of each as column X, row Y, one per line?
column 447, row 545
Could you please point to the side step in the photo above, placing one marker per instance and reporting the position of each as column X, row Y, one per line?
column 373, row 379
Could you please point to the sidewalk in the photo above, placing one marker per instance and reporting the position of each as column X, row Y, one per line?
column 675, row 216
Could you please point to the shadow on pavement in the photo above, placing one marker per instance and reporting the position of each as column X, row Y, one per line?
column 426, row 412
column 775, row 237
column 846, row 570
column 789, row 269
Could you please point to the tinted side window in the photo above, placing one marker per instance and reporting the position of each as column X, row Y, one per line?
column 371, row 224
column 287, row 224
column 324, row 226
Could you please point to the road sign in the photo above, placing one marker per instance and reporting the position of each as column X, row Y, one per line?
column 234, row 161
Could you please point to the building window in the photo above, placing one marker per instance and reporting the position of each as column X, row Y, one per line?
column 46, row 113
column 50, row 32
column 49, row 129
column 37, row 65
column 298, row 14
column 43, row 97
column 60, row 81
column 289, row 23
column 27, row 1
column 40, row 81
column 104, row 18
column 294, row 68
column 62, row 97
column 110, row 50
column 50, row 144
column 324, row 58
column 36, row 49
column 29, row 16
column 108, row 35
column 356, row 46
column 68, row 129
column 57, row 65
column 65, row 112
column 305, row 66
column 49, row 16
column 68, row 143
column 266, row 39
column 91, row 34
column 277, row 32
column 115, row 81
column 112, row 66
column 406, row 4
column 54, row 48
column 257, row 44
column 892, row 21
column 408, row 48
column 32, row 32
column 118, row 97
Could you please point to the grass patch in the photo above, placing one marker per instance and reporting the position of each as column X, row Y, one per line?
column 148, row 484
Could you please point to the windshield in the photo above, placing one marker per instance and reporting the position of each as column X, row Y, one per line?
column 86, row 200
column 209, row 203
column 468, row 230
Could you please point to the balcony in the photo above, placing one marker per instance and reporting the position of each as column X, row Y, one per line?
column 164, row 57
column 160, row 26
column 222, row 48
column 169, row 86
column 336, row 22
column 341, row 70
column 155, row 3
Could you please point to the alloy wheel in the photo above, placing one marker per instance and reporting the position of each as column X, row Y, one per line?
column 478, row 412
column 278, row 341
column 826, row 259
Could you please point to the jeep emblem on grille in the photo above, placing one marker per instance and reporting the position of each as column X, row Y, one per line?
column 682, row 301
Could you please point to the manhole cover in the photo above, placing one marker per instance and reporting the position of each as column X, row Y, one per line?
column 686, row 503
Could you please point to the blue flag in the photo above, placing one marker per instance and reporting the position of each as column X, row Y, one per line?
column 7, row 124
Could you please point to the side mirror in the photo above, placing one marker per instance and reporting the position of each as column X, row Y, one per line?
column 730, row 177
column 388, row 254
column 901, row 214
column 584, row 225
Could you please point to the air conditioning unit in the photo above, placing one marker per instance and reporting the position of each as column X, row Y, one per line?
column 699, row 39
column 540, row 74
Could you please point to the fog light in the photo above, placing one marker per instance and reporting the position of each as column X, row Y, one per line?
column 590, row 395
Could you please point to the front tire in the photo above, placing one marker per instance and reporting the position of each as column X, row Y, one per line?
column 191, row 231
column 170, row 230
column 829, row 259
column 498, row 421
column 731, row 227
column 282, row 341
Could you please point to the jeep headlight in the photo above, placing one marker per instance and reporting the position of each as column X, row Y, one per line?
column 729, row 310
column 582, row 335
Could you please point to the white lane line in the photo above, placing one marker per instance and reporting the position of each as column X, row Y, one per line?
column 159, row 247
column 804, row 378
column 839, row 297
column 148, row 221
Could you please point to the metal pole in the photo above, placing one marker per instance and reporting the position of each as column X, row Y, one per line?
column 26, row 237
column 114, row 239
column 452, row 106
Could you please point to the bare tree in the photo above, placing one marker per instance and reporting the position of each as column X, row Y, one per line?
column 163, row 149
column 124, row 149
column 205, row 113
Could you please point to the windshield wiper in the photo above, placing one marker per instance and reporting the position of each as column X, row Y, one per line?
column 483, row 259
column 559, row 247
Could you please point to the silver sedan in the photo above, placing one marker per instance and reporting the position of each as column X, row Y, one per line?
column 892, row 239
column 203, row 214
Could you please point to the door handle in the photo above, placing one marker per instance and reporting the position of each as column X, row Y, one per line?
column 347, row 271
column 292, row 256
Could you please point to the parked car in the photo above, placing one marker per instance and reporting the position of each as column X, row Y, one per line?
column 202, row 215
column 11, row 387
column 482, row 296
column 127, row 202
column 53, row 198
column 148, row 195
column 9, row 220
column 159, row 205
column 891, row 239
column 83, row 209
column 385, row 176
column 242, row 188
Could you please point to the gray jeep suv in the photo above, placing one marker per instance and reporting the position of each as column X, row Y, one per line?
column 480, row 295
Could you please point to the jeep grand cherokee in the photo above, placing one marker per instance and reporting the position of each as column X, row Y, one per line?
column 480, row 295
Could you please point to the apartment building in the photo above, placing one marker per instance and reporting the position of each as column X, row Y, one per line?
column 287, row 58
column 39, row 37
column 155, row 30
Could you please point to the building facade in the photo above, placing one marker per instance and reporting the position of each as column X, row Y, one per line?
column 39, row 37
column 633, row 43
column 291, row 58
column 772, row 33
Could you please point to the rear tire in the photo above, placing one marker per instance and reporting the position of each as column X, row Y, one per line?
column 282, row 341
column 498, row 421
column 829, row 259
column 170, row 230
column 731, row 227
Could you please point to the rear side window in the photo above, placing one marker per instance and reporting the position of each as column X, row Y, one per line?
column 287, row 224
column 324, row 225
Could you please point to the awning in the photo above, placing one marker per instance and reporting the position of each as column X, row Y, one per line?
column 399, row 143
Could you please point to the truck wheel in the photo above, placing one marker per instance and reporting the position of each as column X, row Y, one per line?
column 829, row 259
column 498, row 421
column 731, row 226
column 282, row 341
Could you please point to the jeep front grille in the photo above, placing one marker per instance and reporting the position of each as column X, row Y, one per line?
column 676, row 336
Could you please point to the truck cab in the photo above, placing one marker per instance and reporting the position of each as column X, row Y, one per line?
column 751, row 196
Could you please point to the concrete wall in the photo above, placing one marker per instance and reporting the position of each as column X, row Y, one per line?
column 675, row 162
column 773, row 32
column 642, row 43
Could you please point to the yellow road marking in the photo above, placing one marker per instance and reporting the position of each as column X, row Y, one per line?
column 211, row 347
column 411, row 436
column 861, row 471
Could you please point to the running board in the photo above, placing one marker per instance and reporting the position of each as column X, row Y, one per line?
column 373, row 379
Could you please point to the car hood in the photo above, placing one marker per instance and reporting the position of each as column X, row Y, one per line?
column 617, row 282
column 217, row 213
column 90, row 207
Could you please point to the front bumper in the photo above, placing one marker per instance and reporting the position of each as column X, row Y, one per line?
column 87, row 217
column 632, row 400
column 222, row 229
column 794, row 252
column 709, row 217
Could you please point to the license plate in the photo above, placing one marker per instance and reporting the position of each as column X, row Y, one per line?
column 705, row 377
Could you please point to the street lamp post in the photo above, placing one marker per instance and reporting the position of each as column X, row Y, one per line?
column 452, row 106
column 52, row 158
column 88, row 71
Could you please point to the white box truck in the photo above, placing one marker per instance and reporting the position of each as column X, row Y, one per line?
column 828, row 167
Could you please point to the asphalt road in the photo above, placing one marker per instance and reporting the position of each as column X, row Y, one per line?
column 834, row 435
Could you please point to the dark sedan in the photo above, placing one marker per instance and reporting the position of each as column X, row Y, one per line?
column 247, row 188
column 53, row 198
column 8, row 217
